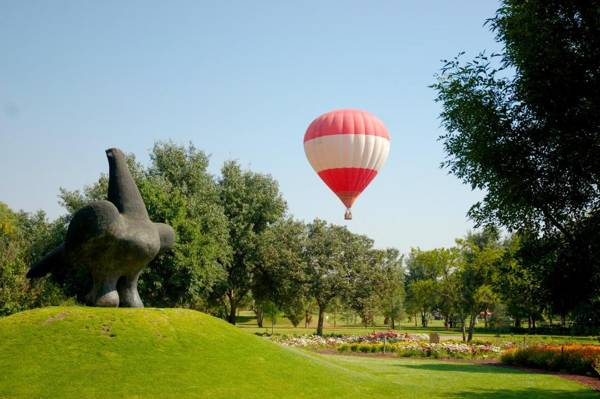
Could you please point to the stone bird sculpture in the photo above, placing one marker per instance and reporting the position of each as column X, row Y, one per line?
column 113, row 239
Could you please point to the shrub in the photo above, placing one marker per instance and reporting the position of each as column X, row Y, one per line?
column 573, row 358
column 344, row 348
column 410, row 353
column 364, row 348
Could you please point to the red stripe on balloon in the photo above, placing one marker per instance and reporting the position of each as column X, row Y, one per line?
column 347, row 183
column 346, row 121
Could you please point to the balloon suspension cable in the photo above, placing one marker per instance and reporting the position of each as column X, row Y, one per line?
column 348, row 214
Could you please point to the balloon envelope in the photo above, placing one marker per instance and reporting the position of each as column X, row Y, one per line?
column 347, row 148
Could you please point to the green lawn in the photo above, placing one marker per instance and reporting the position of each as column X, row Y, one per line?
column 78, row 352
column 247, row 322
column 435, row 379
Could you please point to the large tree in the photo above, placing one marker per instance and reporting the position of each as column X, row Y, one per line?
column 366, row 277
column 251, row 202
column 431, row 270
column 279, row 275
column 520, row 279
column 327, row 271
column 24, row 239
column 481, row 254
column 391, row 288
column 524, row 127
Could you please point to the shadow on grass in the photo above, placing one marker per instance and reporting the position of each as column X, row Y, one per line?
column 245, row 319
column 462, row 368
column 532, row 393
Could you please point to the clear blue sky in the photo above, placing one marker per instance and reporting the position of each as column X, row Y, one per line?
column 241, row 80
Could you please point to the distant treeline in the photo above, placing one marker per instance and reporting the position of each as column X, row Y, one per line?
column 237, row 247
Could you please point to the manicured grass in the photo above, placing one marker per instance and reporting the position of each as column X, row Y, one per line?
column 435, row 379
column 77, row 352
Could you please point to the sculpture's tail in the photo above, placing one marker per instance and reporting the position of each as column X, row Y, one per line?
column 48, row 264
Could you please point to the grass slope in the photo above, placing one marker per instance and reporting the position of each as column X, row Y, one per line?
column 162, row 353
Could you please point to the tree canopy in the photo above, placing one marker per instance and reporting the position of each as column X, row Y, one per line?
column 523, row 126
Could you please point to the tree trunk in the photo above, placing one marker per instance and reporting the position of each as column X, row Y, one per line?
column 485, row 320
column 471, row 327
column 321, row 320
column 232, row 318
column 517, row 322
column 463, row 328
column 307, row 318
column 393, row 323
column 260, row 316
column 334, row 317
column 272, row 320
column 424, row 319
column 232, row 307
column 416, row 325
column 386, row 320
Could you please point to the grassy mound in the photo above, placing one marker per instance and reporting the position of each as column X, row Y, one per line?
column 77, row 352
column 95, row 352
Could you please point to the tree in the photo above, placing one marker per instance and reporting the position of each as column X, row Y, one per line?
column 251, row 202
column 436, row 266
column 422, row 298
column 279, row 274
column 484, row 298
column 481, row 254
column 520, row 280
column 424, row 265
column 365, row 276
column 391, row 291
column 326, row 270
column 523, row 126
column 24, row 239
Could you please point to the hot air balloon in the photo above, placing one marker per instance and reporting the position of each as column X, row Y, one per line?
column 347, row 148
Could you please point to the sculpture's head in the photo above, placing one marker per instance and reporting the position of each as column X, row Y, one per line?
column 116, row 158
column 113, row 153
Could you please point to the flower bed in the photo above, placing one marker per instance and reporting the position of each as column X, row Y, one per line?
column 572, row 358
column 309, row 341
column 315, row 341
column 445, row 350
column 405, row 345
column 391, row 336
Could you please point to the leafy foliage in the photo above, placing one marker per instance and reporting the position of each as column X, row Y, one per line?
column 251, row 202
column 280, row 273
column 24, row 238
column 523, row 127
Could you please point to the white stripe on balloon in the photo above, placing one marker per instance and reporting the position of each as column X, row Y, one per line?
column 347, row 151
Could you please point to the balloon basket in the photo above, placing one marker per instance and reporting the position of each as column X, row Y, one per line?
column 348, row 214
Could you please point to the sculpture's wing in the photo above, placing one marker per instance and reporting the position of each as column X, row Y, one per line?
column 167, row 236
column 51, row 262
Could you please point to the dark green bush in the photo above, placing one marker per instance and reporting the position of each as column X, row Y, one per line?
column 577, row 359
